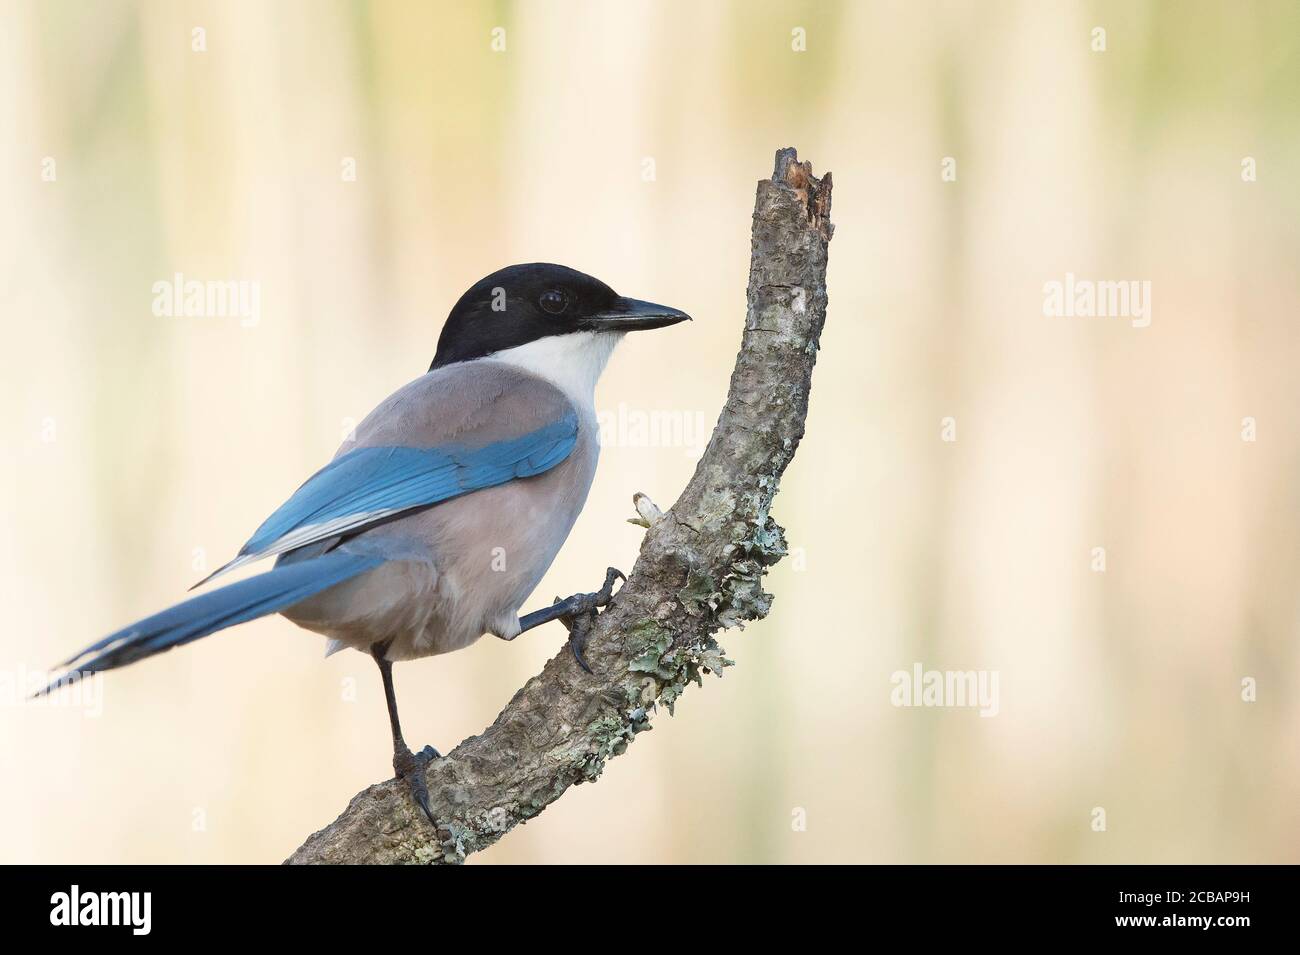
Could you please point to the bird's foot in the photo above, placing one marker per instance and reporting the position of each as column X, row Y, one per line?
column 410, row 766
column 582, row 614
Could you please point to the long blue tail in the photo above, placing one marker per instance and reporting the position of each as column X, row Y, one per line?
column 199, row 616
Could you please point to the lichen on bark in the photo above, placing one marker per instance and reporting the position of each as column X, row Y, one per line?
column 700, row 570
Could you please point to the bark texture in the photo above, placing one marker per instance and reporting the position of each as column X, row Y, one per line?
column 700, row 570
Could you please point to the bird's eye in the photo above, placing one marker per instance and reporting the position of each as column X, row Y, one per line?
column 553, row 301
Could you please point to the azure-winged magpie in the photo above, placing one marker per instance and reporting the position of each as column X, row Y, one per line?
column 435, row 524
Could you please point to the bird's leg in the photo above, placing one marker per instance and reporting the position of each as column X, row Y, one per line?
column 409, row 766
column 577, row 613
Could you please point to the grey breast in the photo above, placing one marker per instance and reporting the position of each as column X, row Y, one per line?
column 463, row 567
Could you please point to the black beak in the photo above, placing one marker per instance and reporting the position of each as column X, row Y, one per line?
column 632, row 314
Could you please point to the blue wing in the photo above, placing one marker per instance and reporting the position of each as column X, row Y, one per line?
column 371, row 484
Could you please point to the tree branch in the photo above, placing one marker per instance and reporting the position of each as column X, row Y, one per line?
column 700, row 569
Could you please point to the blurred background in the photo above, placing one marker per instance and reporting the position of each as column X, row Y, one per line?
column 364, row 163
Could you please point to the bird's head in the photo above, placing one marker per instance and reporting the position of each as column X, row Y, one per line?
column 560, row 308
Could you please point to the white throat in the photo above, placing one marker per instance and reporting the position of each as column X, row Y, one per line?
column 572, row 362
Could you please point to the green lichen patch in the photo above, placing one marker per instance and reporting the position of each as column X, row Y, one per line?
column 686, row 665
column 700, row 595
column 753, row 549
column 609, row 736
column 657, row 659
column 717, row 505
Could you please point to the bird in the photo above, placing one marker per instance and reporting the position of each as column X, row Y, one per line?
column 435, row 521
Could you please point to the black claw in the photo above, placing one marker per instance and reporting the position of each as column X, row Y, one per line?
column 579, row 628
column 606, row 592
column 577, row 654
column 420, row 793
column 583, row 614
column 410, row 766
